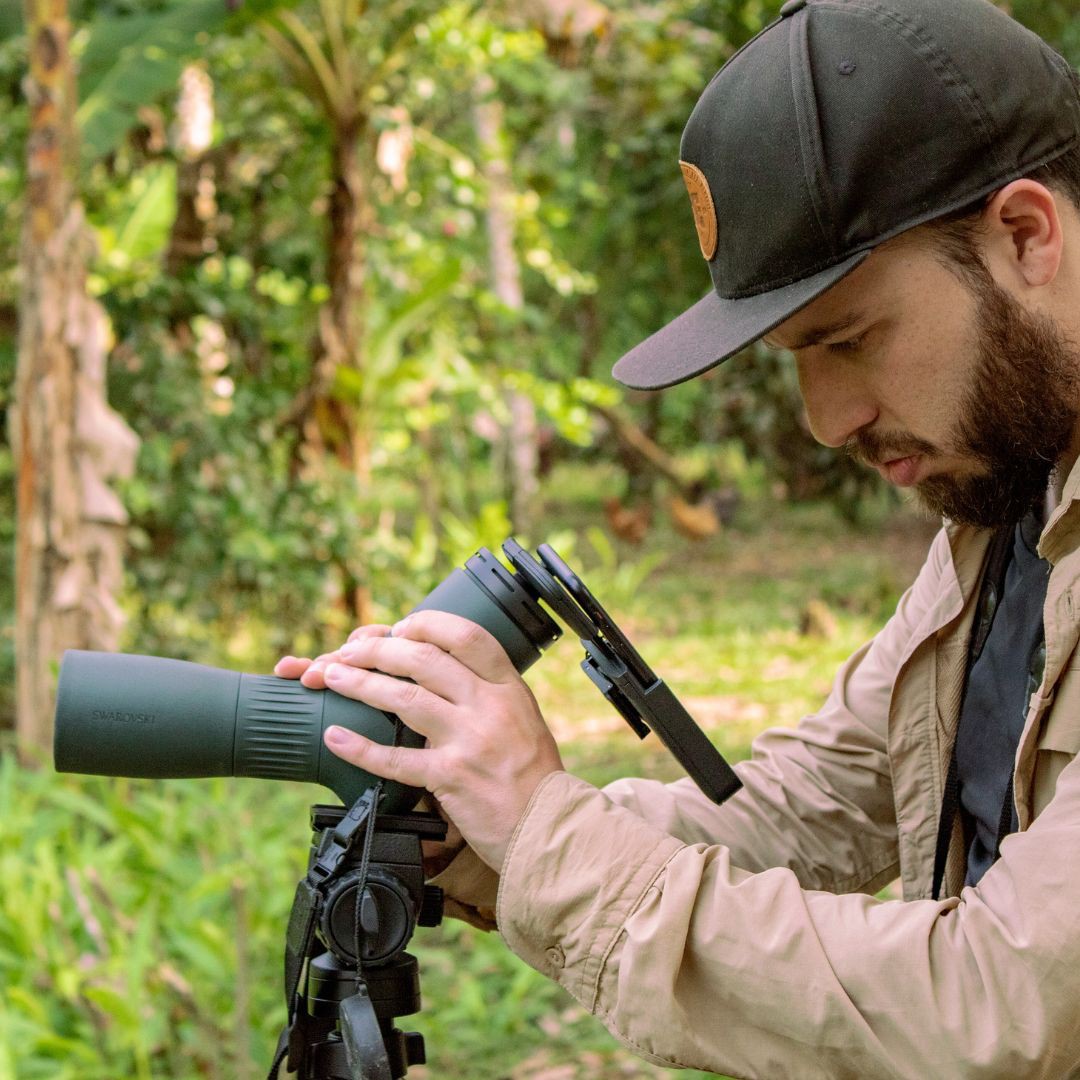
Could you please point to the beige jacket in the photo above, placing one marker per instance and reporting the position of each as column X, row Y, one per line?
column 745, row 939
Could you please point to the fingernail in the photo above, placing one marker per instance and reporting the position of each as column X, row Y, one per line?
column 337, row 736
column 399, row 627
column 348, row 651
column 334, row 673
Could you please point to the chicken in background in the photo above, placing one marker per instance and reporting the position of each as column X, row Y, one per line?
column 629, row 523
column 706, row 516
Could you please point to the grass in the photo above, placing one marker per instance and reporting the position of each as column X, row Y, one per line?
column 141, row 923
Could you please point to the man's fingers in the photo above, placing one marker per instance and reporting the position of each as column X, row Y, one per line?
column 296, row 667
column 420, row 661
column 463, row 639
column 417, row 706
column 291, row 667
column 400, row 763
column 313, row 678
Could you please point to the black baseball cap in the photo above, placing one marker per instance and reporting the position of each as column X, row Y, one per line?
column 843, row 124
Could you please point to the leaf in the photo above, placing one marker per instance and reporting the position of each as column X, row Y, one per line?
column 83, row 806
column 385, row 344
column 11, row 21
column 32, row 1005
column 145, row 230
column 331, row 87
column 61, row 1048
column 113, row 1004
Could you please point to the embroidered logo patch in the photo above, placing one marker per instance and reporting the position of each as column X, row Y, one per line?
column 702, row 205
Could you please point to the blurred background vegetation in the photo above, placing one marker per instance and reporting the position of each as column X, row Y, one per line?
column 365, row 268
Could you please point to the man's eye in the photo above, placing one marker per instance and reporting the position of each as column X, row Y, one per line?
column 850, row 345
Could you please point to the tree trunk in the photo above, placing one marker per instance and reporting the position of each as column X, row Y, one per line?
column 67, row 442
column 351, row 217
column 346, row 425
column 326, row 424
column 520, row 450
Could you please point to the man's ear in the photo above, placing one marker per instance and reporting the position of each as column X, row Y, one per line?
column 1024, row 237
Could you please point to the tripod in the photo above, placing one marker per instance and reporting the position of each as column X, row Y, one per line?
column 347, row 976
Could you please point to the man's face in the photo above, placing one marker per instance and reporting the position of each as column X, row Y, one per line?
column 952, row 389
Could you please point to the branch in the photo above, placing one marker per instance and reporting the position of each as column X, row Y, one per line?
column 652, row 454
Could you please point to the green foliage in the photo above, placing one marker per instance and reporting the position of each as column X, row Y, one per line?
column 11, row 21
column 1054, row 20
column 140, row 215
column 143, row 938
column 131, row 55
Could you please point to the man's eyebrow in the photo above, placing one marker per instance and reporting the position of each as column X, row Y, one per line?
column 817, row 334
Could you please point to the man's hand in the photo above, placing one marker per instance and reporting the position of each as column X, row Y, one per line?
column 438, row 854
column 310, row 672
column 487, row 744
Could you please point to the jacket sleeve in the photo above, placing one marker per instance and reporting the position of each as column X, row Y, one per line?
column 670, row 926
column 816, row 799
column 694, row 962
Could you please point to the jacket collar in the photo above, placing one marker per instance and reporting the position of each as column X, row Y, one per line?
column 1062, row 532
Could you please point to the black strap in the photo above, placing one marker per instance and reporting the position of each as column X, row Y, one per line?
column 280, row 1053
column 362, row 893
column 365, row 1050
column 993, row 586
column 1006, row 818
column 1036, row 668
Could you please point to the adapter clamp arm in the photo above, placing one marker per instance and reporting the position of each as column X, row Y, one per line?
column 651, row 706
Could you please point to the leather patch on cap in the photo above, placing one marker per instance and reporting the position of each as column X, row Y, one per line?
column 702, row 205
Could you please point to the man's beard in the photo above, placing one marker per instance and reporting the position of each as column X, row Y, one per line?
column 1016, row 418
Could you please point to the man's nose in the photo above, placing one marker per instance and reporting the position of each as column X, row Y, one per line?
column 838, row 402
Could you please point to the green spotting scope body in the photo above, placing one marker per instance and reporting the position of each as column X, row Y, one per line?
column 147, row 716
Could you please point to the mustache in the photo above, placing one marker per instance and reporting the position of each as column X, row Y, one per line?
column 875, row 448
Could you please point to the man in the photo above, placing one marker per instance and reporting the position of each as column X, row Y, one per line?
column 889, row 189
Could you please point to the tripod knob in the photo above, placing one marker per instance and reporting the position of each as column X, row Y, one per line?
column 415, row 1053
column 431, row 907
column 386, row 917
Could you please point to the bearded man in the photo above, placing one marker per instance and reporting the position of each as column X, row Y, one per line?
column 889, row 190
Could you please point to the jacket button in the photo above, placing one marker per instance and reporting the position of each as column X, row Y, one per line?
column 556, row 957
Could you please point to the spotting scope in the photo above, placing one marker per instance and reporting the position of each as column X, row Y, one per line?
column 148, row 716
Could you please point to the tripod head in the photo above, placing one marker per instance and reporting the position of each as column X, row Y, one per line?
column 347, row 975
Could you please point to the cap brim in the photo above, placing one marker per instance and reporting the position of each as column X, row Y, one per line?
column 714, row 329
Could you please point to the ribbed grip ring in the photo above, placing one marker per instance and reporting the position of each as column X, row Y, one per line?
column 278, row 729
